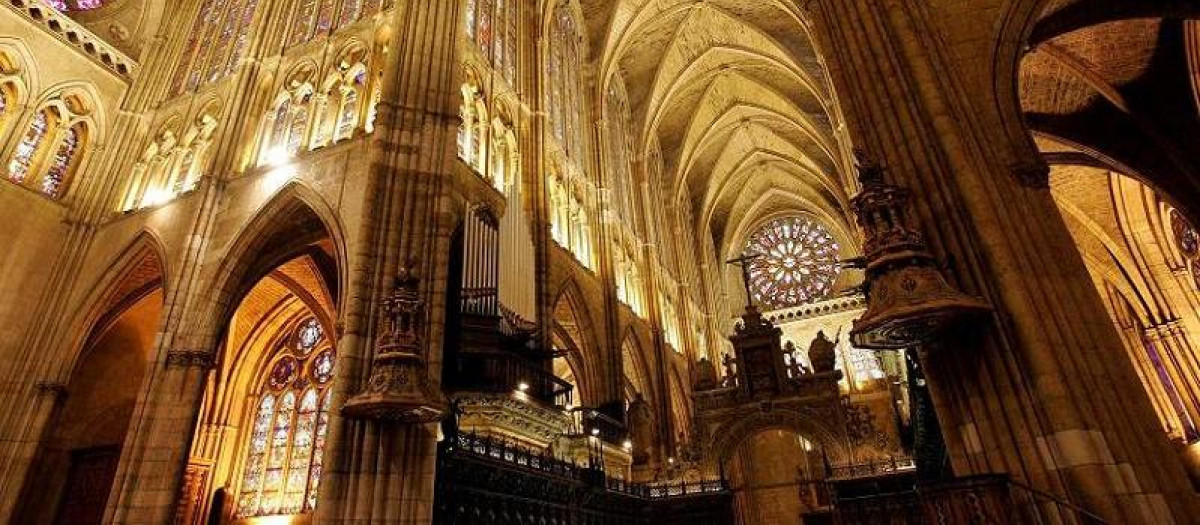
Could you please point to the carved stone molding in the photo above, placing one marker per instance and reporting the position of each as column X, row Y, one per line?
column 201, row 359
column 505, row 414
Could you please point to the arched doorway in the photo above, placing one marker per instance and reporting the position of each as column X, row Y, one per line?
column 776, row 477
column 258, row 451
column 73, row 473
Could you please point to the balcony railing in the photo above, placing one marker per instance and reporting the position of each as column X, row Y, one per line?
column 873, row 468
column 498, row 372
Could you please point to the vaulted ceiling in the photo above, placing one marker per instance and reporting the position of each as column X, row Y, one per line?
column 734, row 94
column 1115, row 79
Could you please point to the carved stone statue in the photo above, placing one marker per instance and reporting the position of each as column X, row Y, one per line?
column 641, row 429
column 822, row 352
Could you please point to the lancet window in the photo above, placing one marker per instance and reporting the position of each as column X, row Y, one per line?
column 170, row 165
column 472, row 133
column 566, row 86
column 314, row 18
column 621, row 179
column 570, row 226
column 340, row 105
column 49, row 148
column 492, row 26
column 285, row 454
column 670, row 323
column 216, row 43
column 485, row 144
column 629, row 280
column 286, row 126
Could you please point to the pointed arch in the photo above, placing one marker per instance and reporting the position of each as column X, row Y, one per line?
column 633, row 364
column 295, row 217
column 573, row 326
column 139, row 269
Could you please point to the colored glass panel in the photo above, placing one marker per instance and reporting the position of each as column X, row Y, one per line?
column 60, row 166
column 277, row 455
column 18, row 167
column 307, row 336
column 798, row 262
column 348, row 117
column 256, row 456
column 318, row 457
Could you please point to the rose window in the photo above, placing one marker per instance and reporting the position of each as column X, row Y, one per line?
column 797, row 263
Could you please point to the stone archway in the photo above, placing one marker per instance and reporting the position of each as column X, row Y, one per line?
column 726, row 436
column 74, row 468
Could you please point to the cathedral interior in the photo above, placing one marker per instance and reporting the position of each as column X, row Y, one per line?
column 560, row 262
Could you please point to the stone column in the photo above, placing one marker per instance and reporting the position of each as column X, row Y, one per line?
column 1043, row 390
column 381, row 471
column 155, row 452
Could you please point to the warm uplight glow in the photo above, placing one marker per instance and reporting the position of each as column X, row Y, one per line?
column 627, row 445
column 523, row 387
column 156, row 196
column 595, row 431
column 278, row 156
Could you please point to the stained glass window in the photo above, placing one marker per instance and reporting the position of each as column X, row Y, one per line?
column 325, row 17
column 284, row 458
column 1185, row 235
column 565, row 84
column 216, row 43
column 798, row 262
column 348, row 116
column 18, row 167
column 257, row 452
column 60, row 165
column 351, row 10
column 74, row 5
column 620, row 169
column 314, row 473
column 492, row 26
column 307, row 336
column 299, row 124
column 304, row 22
column 3, row 103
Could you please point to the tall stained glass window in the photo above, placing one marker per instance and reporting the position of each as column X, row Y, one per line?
column 282, row 468
column 621, row 180
column 216, row 43
column 492, row 25
column 60, row 165
column 797, row 263
column 566, row 108
column 31, row 141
